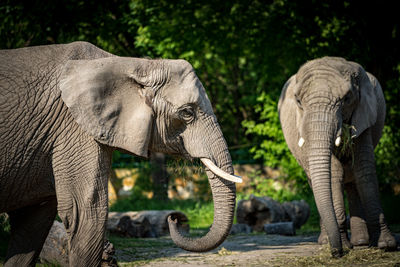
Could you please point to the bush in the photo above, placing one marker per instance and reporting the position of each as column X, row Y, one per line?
column 271, row 147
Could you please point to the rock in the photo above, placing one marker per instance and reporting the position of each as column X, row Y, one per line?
column 55, row 248
column 148, row 223
column 280, row 228
column 297, row 211
column 240, row 228
column 135, row 228
column 258, row 211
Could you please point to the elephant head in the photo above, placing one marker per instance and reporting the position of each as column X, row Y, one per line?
column 143, row 106
column 324, row 95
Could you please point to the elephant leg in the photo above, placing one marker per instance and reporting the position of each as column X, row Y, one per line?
column 358, row 225
column 337, row 176
column 81, row 176
column 29, row 229
column 367, row 187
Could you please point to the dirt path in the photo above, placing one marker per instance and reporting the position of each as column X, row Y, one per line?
column 249, row 250
column 238, row 250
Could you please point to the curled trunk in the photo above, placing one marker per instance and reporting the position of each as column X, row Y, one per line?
column 224, row 206
column 224, row 197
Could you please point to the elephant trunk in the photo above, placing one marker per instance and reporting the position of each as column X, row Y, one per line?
column 320, row 141
column 224, row 197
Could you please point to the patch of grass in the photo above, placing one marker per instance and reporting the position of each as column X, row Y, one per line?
column 223, row 252
column 123, row 242
column 354, row 257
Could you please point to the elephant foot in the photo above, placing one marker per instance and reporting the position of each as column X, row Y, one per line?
column 359, row 239
column 358, row 242
column 323, row 238
column 345, row 241
column 359, row 232
column 387, row 241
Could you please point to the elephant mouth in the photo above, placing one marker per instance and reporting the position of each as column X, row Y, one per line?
column 219, row 172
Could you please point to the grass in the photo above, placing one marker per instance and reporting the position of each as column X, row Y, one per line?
column 199, row 213
column 123, row 242
column 354, row 257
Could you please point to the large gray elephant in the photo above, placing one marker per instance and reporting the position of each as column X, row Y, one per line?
column 64, row 109
column 328, row 99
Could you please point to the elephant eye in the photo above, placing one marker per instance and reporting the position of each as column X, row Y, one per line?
column 187, row 114
column 348, row 99
column 298, row 102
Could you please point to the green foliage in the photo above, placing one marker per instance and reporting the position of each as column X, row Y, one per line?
column 272, row 148
column 243, row 52
column 387, row 153
column 387, row 158
column 199, row 213
column 273, row 188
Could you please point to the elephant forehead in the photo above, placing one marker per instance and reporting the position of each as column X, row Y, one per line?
column 187, row 89
column 323, row 82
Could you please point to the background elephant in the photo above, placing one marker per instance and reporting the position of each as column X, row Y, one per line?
column 327, row 99
column 64, row 109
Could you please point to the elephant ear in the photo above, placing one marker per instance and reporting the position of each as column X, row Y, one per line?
column 106, row 98
column 288, row 94
column 288, row 91
column 365, row 113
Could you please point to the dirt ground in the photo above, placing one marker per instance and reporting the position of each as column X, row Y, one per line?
column 238, row 250
column 245, row 250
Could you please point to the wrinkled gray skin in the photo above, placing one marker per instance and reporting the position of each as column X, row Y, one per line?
column 314, row 104
column 64, row 109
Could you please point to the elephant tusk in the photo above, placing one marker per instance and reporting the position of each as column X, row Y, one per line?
column 220, row 173
column 337, row 141
column 301, row 142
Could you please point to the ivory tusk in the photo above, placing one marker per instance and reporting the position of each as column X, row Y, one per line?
column 337, row 141
column 301, row 142
column 217, row 171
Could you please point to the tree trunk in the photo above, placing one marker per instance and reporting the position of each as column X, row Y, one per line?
column 159, row 176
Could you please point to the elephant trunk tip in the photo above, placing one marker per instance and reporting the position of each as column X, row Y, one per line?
column 186, row 243
column 337, row 252
column 172, row 221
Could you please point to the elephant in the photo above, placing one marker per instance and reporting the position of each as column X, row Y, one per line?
column 332, row 114
column 64, row 109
